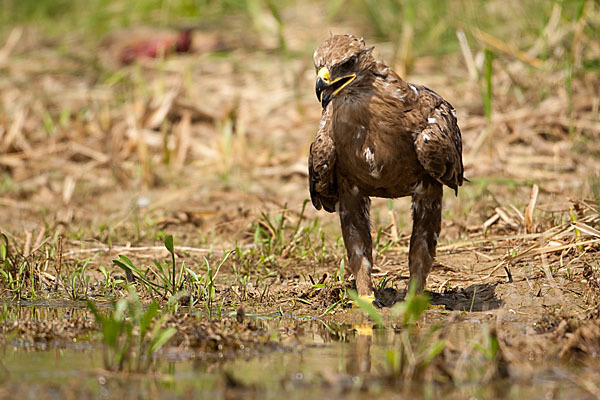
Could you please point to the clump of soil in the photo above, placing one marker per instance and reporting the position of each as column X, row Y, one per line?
column 582, row 338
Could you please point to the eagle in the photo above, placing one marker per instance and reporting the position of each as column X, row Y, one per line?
column 380, row 136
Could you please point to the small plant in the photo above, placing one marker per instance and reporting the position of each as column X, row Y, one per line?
column 131, row 334
column 5, row 313
column 170, row 282
column 241, row 272
column 19, row 268
column 203, row 288
column 109, row 283
column 381, row 245
column 412, row 308
column 78, row 283
column 275, row 237
column 383, row 282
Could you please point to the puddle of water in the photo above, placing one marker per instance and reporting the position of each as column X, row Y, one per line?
column 316, row 361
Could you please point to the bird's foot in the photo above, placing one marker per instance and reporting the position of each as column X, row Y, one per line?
column 369, row 299
column 378, row 303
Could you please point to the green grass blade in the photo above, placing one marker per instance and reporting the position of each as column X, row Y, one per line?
column 367, row 308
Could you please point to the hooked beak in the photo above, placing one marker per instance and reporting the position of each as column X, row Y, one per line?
column 323, row 82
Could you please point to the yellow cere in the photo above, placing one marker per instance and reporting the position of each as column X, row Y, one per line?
column 324, row 74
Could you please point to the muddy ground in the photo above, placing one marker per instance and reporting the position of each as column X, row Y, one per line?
column 100, row 160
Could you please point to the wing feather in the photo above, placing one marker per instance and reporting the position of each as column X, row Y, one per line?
column 321, row 166
column 439, row 146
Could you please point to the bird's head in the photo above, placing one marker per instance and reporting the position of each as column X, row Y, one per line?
column 340, row 61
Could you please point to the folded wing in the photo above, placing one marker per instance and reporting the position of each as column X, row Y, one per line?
column 439, row 146
column 321, row 166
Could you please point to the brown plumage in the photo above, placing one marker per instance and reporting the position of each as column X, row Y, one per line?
column 380, row 136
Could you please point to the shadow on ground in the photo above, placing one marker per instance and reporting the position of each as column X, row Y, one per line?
column 477, row 297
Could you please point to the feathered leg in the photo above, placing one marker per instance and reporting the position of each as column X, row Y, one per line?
column 356, row 230
column 427, row 220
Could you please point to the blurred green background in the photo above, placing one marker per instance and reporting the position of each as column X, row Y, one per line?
column 428, row 25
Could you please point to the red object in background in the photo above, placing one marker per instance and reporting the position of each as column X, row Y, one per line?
column 159, row 45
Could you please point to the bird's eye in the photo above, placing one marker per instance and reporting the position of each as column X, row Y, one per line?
column 349, row 63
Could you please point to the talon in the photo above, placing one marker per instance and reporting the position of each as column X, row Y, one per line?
column 377, row 303
column 370, row 298
column 367, row 298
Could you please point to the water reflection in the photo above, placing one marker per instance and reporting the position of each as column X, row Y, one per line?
column 44, row 311
column 360, row 361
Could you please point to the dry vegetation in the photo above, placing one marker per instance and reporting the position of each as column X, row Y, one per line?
column 99, row 159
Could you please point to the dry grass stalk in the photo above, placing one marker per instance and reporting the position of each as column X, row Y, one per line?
column 586, row 229
column 146, row 249
column 39, row 239
column 467, row 54
column 490, row 221
column 183, row 130
column 518, row 214
column 27, row 246
column 138, row 135
column 506, row 48
column 59, row 256
column 510, row 221
column 11, row 43
column 393, row 227
column 78, row 148
column 530, row 208
column 68, row 189
column 15, row 131
column 161, row 110
column 551, row 33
